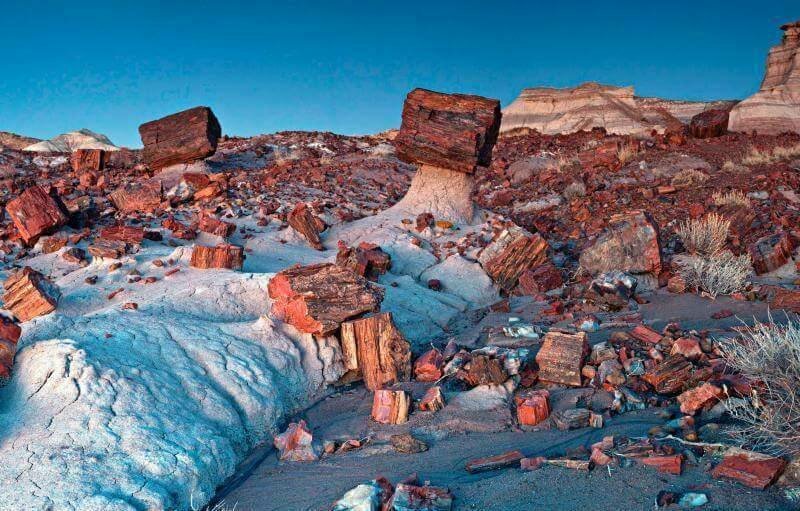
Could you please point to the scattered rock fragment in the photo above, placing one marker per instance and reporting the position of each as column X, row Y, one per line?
column 366, row 260
column 87, row 160
column 749, row 468
column 390, row 406
column 694, row 400
column 408, row 497
column 407, row 444
column 561, row 357
column 511, row 254
column 708, row 124
column 224, row 255
column 505, row 460
column 771, row 252
column 532, row 407
column 35, row 213
column 309, row 226
column 630, row 244
column 9, row 336
column 433, row 400
column 295, row 444
column 28, row 294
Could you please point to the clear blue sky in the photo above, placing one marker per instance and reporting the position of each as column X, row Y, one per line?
column 346, row 66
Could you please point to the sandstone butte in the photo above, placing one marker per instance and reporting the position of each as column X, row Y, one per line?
column 775, row 108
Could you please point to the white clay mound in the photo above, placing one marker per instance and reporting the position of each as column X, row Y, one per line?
column 68, row 142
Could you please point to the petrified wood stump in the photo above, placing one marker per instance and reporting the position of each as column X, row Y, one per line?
column 34, row 213
column 183, row 137
column 390, row 406
column 561, row 357
column 302, row 220
column 318, row 298
column 223, row 255
column 28, row 294
column 374, row 347
column 511, row 254
column 84, row 160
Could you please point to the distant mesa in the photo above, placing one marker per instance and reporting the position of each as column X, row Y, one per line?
column 775, row 108
column 590, row 105
column 14, row 141
column 68, row 142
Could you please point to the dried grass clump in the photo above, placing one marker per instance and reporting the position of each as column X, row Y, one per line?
column 574, row 189
column 565, row 162
column 786, row 153
column 731, row 198
column 706, row 236
column 770, row 355
column 627, row 152
column 720, row 274
column 688, row 178
column 759, row 157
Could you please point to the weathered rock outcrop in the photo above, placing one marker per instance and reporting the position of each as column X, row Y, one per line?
column 775, row 108
column 183, row 137
column 72, row 141
column 16, row 142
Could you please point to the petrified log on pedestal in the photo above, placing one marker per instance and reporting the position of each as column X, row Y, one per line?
column 446, row 194
column 318, row 298
column 561, row 357
column 29, row 294
column 183, row 137
column 377, row 350
column 34, row 213
column 309, row 226
column 221, row 256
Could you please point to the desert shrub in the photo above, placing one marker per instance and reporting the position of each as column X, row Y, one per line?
column 720, row 274
column 786, row 153
column 689, row 177
column 731, row 198
column 565, row 162
column 574, row 189
column 757, row 157
column 762, row 157
column 706, row 236
column 627, row 152
column 768, row 355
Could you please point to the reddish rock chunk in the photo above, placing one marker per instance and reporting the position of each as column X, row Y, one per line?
column 295, row 444
column 786, row 299
column 138, row 198
column 671, row 464
column 28, row 294
column 9, row 336
column 52, row 244
column 306, row 224
column 694, row 400
column 127, row 233
column 183, row 137
column 505, row 460
column 514, row 251
column 88, row 160
column 483, row 370
column 532, row 407
column 212, row 225
column 367, row 259
column 223, row 255
column 390, row 406
column 429, row 498
column 179, row 230
column 319, row 297
column 35, row 213
column 645, row 334
column 689, row 348
column 561, row 357
column 771, row 252
column 670, row 376
column 433, row 400
column 630, row 244
column 374, row 348
column 451, row 131
column 709, row 124
column 541, row 279
column 750, row 469
column 428, row 367
column 108, row 248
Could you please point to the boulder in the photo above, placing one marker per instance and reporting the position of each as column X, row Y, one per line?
column 709, row 124
column 183, row 137
column 28, row 294
column 35, row 213
column 775, row 108
column 629, row 244
column 771, row 252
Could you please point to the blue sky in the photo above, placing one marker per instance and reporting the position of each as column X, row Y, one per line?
column 346, row 66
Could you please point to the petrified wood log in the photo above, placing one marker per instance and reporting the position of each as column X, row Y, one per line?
column 708, row 124
column 771, row 252
column 211, row 225
column 509, row 459
column 127, row 233
column 381, row 354
column 629, row 244
column 28, row 294
column 750, row 469
column 511, row 254
column 108, row 248
column 390, row 406
column 140, row 198
column 84, row 160
column 561, row 357
column 183, row 137
column 223, row 255
column 670, row 376
column 451, row 131
column 532, row 407
column 694, row 400
column 367, row 259
column 34, row 213
column 669, row 464
column 319, row 297
column 9, row 335
column 433, row 400
column 304, row 222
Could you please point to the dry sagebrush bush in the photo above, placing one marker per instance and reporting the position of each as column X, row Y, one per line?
column 627, row 152
column 720, row 274
column 759, row 157
column 574, row 189
column 689, row 177
column 769, row 355
column 706, row 236
column 731, row 198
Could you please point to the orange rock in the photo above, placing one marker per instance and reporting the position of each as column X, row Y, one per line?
column 645, row 334
column 221, row 256
column 696, row 399
column 433, row 400
column 88, row 160
column 29, row 294
column 35, row 213
column 532, row 407
column 428, row 367
column 689, row 348
column 672, row 464
column 212, row 225
column 750, row 469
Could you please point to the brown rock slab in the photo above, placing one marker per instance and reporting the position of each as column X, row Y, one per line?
column 35, row 213
column 451, row 131
column 390, row 406
column 511, row 254
column 317, row 298
column 750, row 469
column 694, row 400
column 382, row 354
column 572, row 418
column 28, row 294
column 505, row 460
column 671, row 464
column 424, row 498
column 127, row 233
column 540, row 279
column 108, row 248
column 223, row 255
column 407, row 444
column 433, row 400
column 483, row 370
column 561, row 357
column 183, row 137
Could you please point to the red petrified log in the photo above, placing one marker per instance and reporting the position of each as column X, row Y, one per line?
column 140, row 198
column 708, row 124
column 561, row 357
column 509, row 459
column 433, row 400
column 183, row 137
column 127, row 233
column 771, row 252
column 540, row 279
column 671, row 464
column 751, row 469
column 367, row 259
column 295, row 444
column 645, row 334
column 9, row 335
column 513, row 252
column 309, row 226
column 373, row 347
column 451, row 131
column 428, row 367
column 630, row 244
column 29, row 294
column 694, row 400
column 483, row 370
column 390, row 406
column 108, row 248
column 319, row 297
column 670, row 376
column 34, row 213
column 222, row 256
column 211, row 225
column 85, row 160
column 532, row 407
